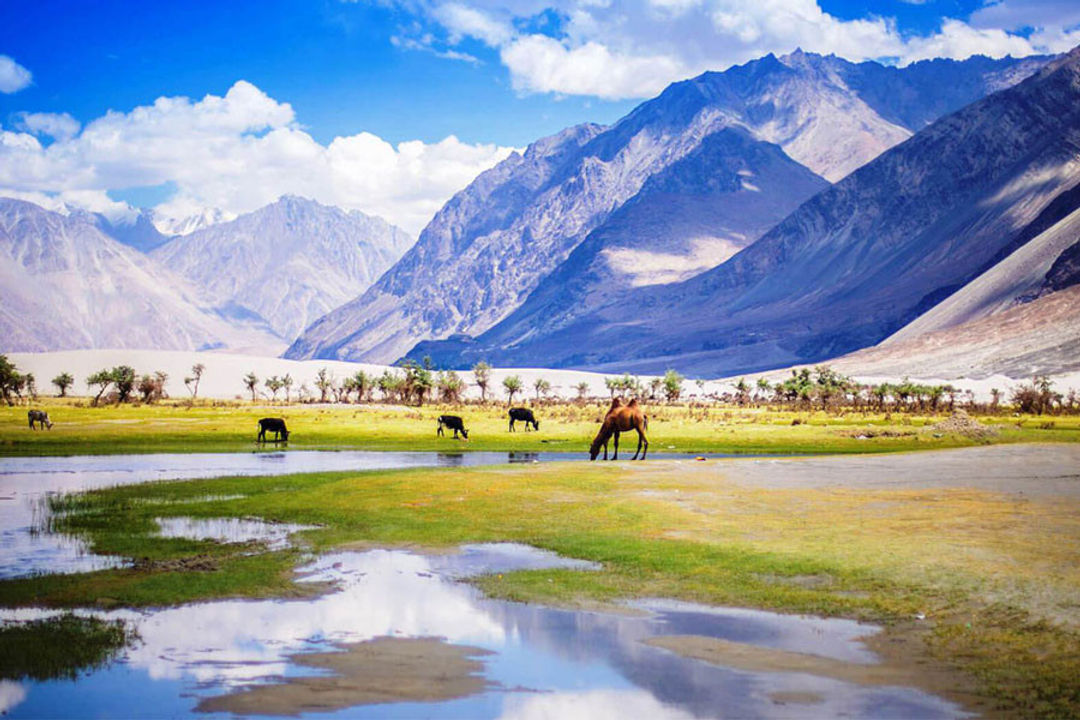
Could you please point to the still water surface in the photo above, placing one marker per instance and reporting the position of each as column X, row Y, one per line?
column 547, row 663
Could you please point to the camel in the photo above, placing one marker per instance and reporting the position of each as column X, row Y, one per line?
column 622, row 418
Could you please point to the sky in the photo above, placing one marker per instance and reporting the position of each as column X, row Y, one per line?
column 391, row 106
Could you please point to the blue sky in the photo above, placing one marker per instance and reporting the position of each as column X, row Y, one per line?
column 341, row 85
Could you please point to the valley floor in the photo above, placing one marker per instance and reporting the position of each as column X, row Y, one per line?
column 968, row 555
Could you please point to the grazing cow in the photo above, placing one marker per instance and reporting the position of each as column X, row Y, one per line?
column 622, row 418
column 39, row 416
column 453, row 422
column 274, row 425
column 524, row 415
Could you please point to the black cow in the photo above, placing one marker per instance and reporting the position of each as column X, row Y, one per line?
column 274, row 425
column 524, row 415
column 454, row 423
column 39, row 416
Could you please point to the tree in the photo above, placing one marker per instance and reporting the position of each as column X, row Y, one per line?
column 656, row 386
column 273, row 384
column 389, row 385
column 1038, row 397
column 251, row 380
column 10, row 380
column 362, row 384
column 418, row 381
column 763, row 389
column 192, row 383
column 450, row 386
column 482, row 373
column 124, row 379
column 742, row 392
column 582, row 389
column 323, row 381
column 612, row 384
column 30, row 383
column 542, row 388
column 512, row 384
column 63, row 381
column 152, row 387
column 673, row 385
column 287, row 383
column 103, row 379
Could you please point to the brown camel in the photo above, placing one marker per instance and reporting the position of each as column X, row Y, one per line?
column 622, row 418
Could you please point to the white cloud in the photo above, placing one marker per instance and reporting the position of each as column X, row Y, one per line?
column 542, row 64
column 237, row 153
column 60, row 126
column 13, row 76
column 959, row 40
column 633, row 48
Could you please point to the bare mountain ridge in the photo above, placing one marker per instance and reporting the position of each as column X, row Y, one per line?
column 493, row 243
column 856, row 262
column 287, row 263
column 68, row 285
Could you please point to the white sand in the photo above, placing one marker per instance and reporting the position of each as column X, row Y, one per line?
column 223, row 377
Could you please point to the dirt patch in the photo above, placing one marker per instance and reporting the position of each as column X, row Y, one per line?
column 796, row 697
column 960, row 423
column 195, row 563
column 872, row 432
column 383, row 670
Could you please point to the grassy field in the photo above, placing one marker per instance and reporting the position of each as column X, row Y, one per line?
column 231, row 427
column 995, row 576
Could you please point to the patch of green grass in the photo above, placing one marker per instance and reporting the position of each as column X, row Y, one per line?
column 60, row 647
column 231, row 427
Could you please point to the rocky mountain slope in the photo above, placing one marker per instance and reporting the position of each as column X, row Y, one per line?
column 859, row 260
column 285, row 264
column 68, row 285
column 491, row 246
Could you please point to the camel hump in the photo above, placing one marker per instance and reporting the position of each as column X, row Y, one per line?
column 616, row 402
column 632, row 403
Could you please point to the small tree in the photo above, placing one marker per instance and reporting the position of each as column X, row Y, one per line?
column 273, row 384
column 482, row 373
column 450, row 386
column 30, row 383
column 124, row 379
column 389, row 385
column 362, row 384
column 542, row 388
column 152, row 387
column 512, row 384
column 192, row 382
column 251, row 381
column 323, row 381
column 102, row 379
column 612, row 384
column 582, row 389
column 10, row 380
column 62, row 382
column 287, row 383
column 673, row 385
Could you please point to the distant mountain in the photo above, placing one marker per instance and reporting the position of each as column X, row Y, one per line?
column 137, row 231
column 492, row 245
column 186, row 225
column 987, row 194
column 68, row 285
column 286, row 264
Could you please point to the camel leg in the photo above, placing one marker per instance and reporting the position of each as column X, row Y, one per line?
column 616, row 455
column 643, row 439
column 638, row 446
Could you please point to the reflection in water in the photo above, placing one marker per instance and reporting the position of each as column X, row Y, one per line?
column 230, row 530
column 580, row 663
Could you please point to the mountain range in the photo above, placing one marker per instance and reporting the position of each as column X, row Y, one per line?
column 78, row 280
column 590, row 216
column 965, row 219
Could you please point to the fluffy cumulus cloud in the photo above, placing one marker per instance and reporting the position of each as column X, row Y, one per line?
column 13, row 76
column 633, row 48
column 235, row 152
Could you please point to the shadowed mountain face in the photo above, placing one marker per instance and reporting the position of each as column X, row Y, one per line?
column 859, row 260
column 660, row 195
column 286, row 264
